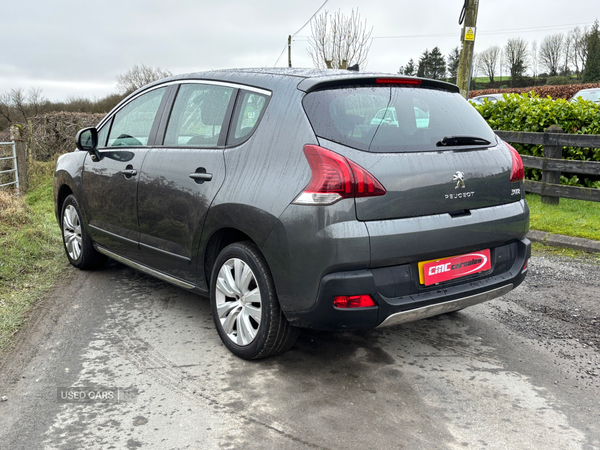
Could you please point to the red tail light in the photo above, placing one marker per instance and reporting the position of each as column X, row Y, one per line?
column 353, row 301
column 517, row 172
column 334, row 177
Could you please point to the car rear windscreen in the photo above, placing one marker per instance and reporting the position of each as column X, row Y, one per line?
column 393, row 119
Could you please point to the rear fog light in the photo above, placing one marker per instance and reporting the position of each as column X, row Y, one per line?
column 353, row 301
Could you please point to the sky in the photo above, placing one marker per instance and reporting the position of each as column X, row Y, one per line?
column 74, row 48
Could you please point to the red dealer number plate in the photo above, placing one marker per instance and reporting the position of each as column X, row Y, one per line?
column 432, row 272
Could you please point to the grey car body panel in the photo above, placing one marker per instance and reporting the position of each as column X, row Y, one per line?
column 438, row 236
column 172, row 207
column 110, row 199
column 256, row 182
column 309, row 242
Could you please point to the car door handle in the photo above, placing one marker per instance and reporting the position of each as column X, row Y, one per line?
column 129, row 171
column 200, row 176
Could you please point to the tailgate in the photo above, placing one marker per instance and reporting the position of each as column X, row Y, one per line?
column 427, row 183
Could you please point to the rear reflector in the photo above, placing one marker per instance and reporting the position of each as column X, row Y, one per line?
column 353, row 301
column 401, row 81
column 517, row 172
column 334, row 178
column 525, row 267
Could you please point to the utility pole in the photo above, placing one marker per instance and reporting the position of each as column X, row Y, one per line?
column 465, row 63
column 289, row 51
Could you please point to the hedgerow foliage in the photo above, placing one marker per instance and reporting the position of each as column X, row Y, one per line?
column 54, row 133
column 528, row 112
column 555, row 92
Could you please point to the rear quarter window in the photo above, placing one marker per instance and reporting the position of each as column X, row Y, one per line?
column 249, row 110
column 392, row 119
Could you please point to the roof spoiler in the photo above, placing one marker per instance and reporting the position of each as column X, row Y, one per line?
column 352, row 79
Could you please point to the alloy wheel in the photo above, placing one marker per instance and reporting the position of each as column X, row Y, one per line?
column 72, row 232
column 238, row 301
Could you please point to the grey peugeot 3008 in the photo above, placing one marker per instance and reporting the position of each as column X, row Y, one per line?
column 300, row 198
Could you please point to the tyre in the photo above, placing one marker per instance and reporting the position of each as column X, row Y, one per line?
column 244, row 304
column 77, row 243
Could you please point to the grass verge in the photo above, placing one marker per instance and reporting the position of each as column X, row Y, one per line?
column 538, row 249
column 32, row 258
column 575, row 218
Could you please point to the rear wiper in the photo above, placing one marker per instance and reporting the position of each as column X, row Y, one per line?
column 462, row 140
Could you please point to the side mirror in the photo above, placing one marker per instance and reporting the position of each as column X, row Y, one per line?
column 87, row 140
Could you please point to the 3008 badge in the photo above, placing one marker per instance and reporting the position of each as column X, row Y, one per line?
column 432, row 272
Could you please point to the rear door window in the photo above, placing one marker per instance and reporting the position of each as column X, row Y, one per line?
column 198, row 115
column 393, row 119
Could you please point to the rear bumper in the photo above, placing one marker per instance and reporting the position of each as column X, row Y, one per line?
column 400, row 298
column 445, row 307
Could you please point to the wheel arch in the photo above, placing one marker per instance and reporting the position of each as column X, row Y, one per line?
column 63, row 192
column 216, row 243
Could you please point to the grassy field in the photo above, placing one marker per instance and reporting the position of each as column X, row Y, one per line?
column 32, row 259
column 575, row 218
column 487, row 79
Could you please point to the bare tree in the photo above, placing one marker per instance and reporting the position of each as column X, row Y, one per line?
column 16, row 106
column 139, row 76
column 338, row 41
column 567, row 50
column 515, row 56
column 36, row 101
column 488, row 61
column 580, row 48
column 19, row 102
column 476, row 66
column 551, row 52
column 534, row 58
column 6, row 110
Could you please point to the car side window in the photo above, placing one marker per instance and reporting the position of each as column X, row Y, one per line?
column 249, row 111
column 132, row 125
column 103, row 134
column 197, row 116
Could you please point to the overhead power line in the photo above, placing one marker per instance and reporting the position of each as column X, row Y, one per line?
column 300, row 29
column 479, row 32
column 311, row 18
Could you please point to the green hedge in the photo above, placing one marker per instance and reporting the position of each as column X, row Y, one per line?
column 528, row 112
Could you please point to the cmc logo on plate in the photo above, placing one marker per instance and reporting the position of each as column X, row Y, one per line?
column 456, row 267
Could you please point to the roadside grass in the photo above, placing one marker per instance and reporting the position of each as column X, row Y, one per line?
column 538, row 249
column 575, row 218
column 32, row 259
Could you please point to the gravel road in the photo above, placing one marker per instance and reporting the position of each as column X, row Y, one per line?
column 519, row 372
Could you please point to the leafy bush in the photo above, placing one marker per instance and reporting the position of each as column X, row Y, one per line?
column 559, row 81
column 566, row 91
column 534, row 114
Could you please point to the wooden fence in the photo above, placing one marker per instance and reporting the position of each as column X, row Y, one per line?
column 552, row 164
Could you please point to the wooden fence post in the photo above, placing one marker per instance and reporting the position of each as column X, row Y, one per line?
column 21, row 151
column 551, row 177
